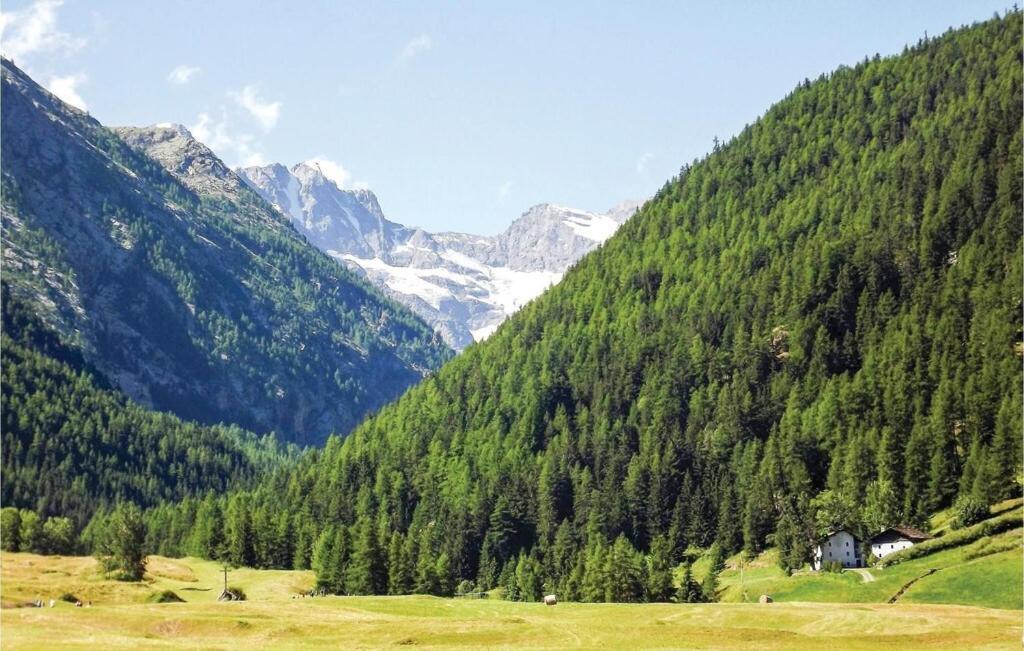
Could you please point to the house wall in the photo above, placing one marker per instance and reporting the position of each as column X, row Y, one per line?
column 881, row 550
column 840, row 546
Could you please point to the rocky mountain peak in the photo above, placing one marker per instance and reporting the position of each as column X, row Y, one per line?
column 177, row 151
column 464, row 285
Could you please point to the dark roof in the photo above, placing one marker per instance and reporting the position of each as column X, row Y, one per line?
column 832, row 532
column 909, row 533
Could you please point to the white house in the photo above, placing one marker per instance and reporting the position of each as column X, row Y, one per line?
column 840, row 546
column 894, row 539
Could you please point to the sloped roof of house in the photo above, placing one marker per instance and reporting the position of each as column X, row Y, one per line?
column 832, row 532
column 909, row 533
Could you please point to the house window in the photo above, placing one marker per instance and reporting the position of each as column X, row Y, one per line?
column 847, row 544
column 847, row 553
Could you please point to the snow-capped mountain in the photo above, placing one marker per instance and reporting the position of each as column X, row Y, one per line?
column 464, row 285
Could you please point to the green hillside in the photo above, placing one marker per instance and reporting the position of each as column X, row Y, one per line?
column 818, row 324
column 986, row 572
column 72, row 444
column 196, row 298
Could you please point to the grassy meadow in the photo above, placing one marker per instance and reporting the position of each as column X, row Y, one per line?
column 991, row 581
column 987, row 573
column 122, row 617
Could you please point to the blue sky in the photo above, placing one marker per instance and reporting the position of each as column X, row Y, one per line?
column 460, row 116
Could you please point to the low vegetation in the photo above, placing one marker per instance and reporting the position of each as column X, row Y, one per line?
column 133, row 615
column 165, row 597
column 237, row 594
column 27, row 577
column 979, row 566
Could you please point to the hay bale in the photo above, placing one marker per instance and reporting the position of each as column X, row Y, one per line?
column 550, row 600
column 765, row 599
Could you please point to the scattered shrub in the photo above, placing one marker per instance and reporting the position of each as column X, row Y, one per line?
column 967, row 511
column 68, row 597
column 165, row 597
column 238, row 593
column 989, row 546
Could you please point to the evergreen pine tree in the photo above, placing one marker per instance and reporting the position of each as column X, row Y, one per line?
column 366, row 572
column 659, row 571
column 10, row 525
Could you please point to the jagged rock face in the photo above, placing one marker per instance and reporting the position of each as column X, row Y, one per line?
column 550, row 238
column 189, row 160
column 331, row 218
column 185, row 288
column 463, row 285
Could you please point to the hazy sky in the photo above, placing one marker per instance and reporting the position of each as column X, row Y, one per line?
column 458, row 115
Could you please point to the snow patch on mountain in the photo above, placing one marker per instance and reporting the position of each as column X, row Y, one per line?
column 593, row 227
column 464, row 285
column 514, row 289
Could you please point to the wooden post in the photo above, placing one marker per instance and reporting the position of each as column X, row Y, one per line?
column 225, row 579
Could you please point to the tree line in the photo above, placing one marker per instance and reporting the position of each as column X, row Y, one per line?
column 72, row 444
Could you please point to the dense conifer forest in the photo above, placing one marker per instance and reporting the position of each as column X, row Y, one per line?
column 816, row 325
column 73, row 445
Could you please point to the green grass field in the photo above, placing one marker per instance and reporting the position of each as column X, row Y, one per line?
column 973, row 601
column 993, row 581
column 120, row 617
column 988, row 573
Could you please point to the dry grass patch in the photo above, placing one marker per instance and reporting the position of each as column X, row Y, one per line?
column 169, row 568
column 272, row 619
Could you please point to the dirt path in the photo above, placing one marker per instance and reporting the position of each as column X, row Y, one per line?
column 906, row 587
column 865, row 574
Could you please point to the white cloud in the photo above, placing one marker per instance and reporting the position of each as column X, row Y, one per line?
column 266, row 113
column 182, row 74
column 254, row 159
column 34, row 30
column 332, row 170
column 66, row 88
column 336, row 172
column 201, row 129
column 504, row 189
column 641, row 163
column 421, row 43
column 235, row 147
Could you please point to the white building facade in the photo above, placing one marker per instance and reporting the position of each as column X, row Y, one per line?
column 894, row 539
column 841, row 546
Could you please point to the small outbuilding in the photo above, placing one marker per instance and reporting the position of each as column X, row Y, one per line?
column 894, row 539
column 840, row 546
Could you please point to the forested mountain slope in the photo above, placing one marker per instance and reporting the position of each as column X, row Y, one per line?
column 188, row 291
column 72, row 444
column 818, row 324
